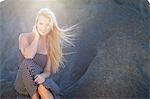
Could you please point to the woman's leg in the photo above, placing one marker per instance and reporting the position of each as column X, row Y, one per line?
column 29, row 69
column 44, row 93
column 36, row 96
column 19, row 85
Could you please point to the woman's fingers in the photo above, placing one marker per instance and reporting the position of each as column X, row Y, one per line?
column 35, row 30
column 36, row 78
column 39, row 79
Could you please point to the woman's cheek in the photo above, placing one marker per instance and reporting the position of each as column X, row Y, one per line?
column 48, row 29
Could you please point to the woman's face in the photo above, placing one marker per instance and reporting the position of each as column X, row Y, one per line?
column 43, row 25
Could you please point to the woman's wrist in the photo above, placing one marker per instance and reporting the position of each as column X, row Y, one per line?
column 45, row 74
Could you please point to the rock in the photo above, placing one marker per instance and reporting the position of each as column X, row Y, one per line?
column 111, row 50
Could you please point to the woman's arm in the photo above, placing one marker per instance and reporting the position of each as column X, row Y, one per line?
column 47, row 70
column 40, row 78
column 28, row 50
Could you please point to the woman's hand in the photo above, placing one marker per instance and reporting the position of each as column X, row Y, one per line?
column 34, row 30
column 39, row 79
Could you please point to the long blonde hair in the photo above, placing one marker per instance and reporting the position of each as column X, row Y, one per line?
column 54, row 40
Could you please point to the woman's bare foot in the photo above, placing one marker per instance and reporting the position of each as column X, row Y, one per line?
column 35, row 96
column 44, row 93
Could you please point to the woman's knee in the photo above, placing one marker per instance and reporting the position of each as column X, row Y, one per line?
column 24, row 64
column 27, row 62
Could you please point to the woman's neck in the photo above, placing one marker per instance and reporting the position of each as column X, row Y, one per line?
column 42, row 38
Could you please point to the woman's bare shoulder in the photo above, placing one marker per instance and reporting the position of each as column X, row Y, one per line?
column 25, row 36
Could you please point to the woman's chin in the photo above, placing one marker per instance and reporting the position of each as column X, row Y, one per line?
column 42, row 34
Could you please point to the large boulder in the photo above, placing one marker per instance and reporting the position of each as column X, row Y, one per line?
column 110, row 57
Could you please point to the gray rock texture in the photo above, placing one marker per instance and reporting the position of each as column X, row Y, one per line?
column 111, row 59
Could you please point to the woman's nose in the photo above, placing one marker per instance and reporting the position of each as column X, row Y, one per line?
column 43, row 27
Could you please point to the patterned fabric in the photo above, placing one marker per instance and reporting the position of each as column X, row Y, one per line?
column 24, row 81
column 27, row 69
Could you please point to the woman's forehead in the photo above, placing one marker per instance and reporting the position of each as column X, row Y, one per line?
column 43, row 19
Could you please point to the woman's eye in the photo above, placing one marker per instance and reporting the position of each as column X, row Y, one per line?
column 47, row 24
column 41, row 23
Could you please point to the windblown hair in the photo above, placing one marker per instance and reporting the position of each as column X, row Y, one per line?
column 54, row 39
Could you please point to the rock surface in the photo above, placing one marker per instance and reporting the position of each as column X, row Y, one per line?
column 111, row 53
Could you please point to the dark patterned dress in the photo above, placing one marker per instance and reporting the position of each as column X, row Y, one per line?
column 27, row 69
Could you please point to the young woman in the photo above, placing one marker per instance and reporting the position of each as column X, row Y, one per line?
column 40, row 55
